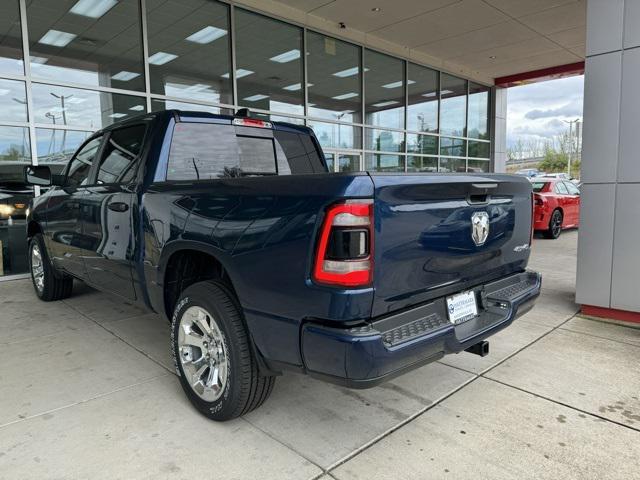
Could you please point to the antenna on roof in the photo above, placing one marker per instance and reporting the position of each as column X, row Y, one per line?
column 243, row 112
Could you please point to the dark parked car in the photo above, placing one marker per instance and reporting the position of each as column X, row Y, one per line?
column 233, row 229
column 557, row 206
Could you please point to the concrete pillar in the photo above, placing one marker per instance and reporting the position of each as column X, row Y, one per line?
column 608, row 275
column 499, row 129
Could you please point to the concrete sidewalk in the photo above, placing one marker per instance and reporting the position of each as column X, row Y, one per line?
column 87, row 390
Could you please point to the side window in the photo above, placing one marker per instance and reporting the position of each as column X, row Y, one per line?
column 202, row 151
column 573, row 190
column 561, row 189
column 121, row 155
column 80, row 166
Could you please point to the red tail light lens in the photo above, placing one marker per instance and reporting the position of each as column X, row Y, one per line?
column 344, row 254
column 252, row 122
column 533, row 211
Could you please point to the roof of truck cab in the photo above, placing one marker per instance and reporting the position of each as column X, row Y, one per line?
column 192, row 115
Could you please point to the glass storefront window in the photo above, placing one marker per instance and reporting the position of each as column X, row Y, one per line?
column 14, row 145
column 427, row 144
column 348, row 162
column 384, row 162
column 453, row 105
column 13, row 101
column 76, row 107
column 384, row 90
column 384, row 140
column 334, row 135
column 478, row 111
column 269, row 63
column 479, row 166
column 479, row 149
column 422, row 164
column 194, row 37
column 91, row 43
column 158, row 104
column 454, row 147
column 422, row 110
column 453, row 165
column 57, row 146
column 334, row 81
column 11, row 38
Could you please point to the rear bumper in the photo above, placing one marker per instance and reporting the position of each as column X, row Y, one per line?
column 363, row 357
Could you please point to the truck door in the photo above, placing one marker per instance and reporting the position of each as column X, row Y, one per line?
column 109, row 213
column 65, row 239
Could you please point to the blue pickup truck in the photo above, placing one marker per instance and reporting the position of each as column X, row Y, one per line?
column 231, row 227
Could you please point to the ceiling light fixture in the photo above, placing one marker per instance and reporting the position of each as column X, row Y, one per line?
column 296, row 86
column 344, row 96
column 492, row 57
column 286, row 56
column 137, row 108
column 397, row 84
column 93, row 8
column 4, row 91
column 376, row 9
column 241, row 72
column 349, row 72
column 56, row 38
column 117, row 115
column 206, row 35
column 255, row 98
column 160, row 58
column 384, row 104
column 125, row 76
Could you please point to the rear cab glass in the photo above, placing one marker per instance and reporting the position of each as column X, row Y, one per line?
column 539, row 186
column 208, row 151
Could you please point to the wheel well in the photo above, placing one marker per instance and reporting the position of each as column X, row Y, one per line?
column 33, row 228
column 186, row 267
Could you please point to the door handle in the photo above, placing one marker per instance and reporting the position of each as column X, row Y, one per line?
column 118, row 207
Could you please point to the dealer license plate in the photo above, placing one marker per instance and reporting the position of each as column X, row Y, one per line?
column 462, row 307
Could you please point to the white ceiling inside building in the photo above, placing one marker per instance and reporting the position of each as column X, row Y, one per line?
column 485, row 39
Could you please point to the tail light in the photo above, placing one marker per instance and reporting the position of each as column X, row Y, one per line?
column 344, row 253
column 539, row 201
column 251, row 122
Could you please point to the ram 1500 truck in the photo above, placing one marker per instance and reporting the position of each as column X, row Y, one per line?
column 231, row 227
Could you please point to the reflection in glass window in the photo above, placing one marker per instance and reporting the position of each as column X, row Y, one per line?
column 55, row 105
column 453, row 165
column 97, row 43
column 478, row 166
column 427, row 144
column 80, row 167
column 14, row 144
column 159, row 104
column 479, row 149
column 348, row 163
column 453, row 106
column 11, row 38
column 194, row 36
column 422, row 111
column 57, row 146
column 334, row 82
column 453, row 147
column 384, row 163
column 329, row 159
column 478, row 111
column 120, row 155
column 13, row 101
column 384, row 140
column 269, row 63
column 384, row 90
column 333, row 135
column 422, row 164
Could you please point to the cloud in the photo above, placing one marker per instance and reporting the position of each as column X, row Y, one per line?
column 568, row 110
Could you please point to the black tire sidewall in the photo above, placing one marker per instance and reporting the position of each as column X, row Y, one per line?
column 201, row 295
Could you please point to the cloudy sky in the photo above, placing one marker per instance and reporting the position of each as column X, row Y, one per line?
column 537, row 111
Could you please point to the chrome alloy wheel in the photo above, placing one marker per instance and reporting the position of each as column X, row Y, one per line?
column 202, row 353
column 37, row 267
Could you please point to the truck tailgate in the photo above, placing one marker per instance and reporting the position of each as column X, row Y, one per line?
column 423, row 241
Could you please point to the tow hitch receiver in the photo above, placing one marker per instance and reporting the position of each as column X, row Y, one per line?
column 480, row 348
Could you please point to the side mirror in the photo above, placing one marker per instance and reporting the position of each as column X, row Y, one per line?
column 39, row 175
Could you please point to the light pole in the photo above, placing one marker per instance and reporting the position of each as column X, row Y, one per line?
column 571, row 122
column 64, row 116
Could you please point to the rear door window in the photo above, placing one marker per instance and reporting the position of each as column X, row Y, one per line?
column 121, row 154
column 539, row 186
column 205, row 151
column 572, row 189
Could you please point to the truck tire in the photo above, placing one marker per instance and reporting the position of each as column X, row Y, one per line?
column 212, row 354
column 555, row 225
column 48, row 284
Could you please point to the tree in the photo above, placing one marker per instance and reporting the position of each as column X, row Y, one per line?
column 554, row 161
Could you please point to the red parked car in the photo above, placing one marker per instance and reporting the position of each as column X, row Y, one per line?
column 557, row 206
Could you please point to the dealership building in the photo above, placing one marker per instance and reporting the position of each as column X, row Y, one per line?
column 403, row 86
